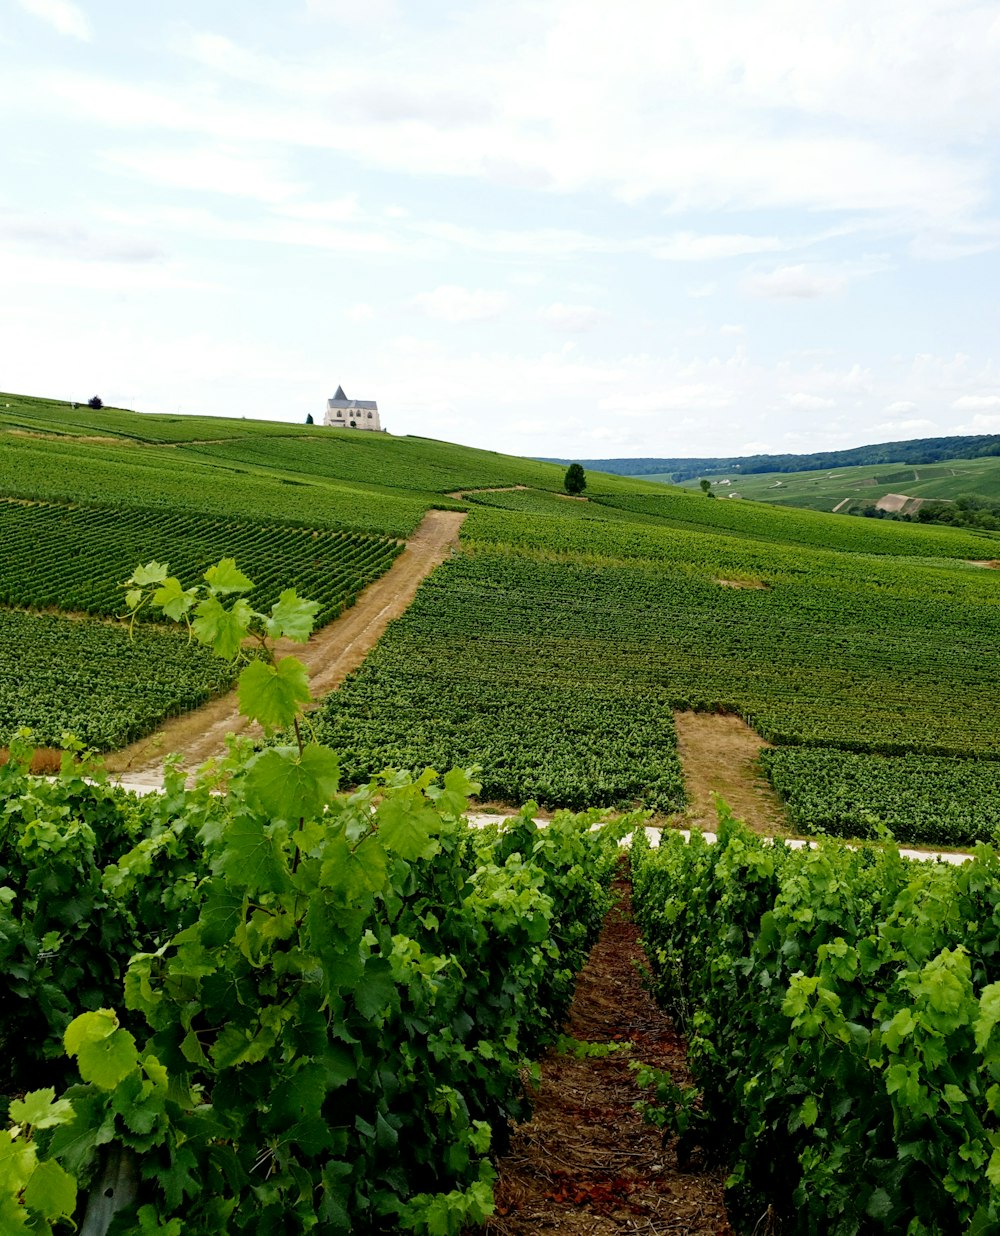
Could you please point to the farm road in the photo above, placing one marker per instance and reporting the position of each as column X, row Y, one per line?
column 330, row 655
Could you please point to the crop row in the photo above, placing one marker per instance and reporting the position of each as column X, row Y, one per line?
column 171, row 479
column 88, row 678
column 565, row 673
column 841, row 1010
column 74, row 558
column 276, row 1026
column 950, row 802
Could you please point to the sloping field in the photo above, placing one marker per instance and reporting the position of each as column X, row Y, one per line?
column 553, row 649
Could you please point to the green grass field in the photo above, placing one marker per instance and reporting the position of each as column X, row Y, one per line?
column 855, row 487
column 554, row 647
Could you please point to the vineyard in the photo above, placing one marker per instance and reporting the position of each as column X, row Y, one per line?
column 280, row 1006
column 945, row 802
column 75, row 557
column 89, row 679
column 305, row 995
column 841, row 1010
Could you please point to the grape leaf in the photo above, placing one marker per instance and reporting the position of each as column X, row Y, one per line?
column 282, row 784
column 408, row 831
column 271, row 694
column 224, row 577
column 51, row 1190
column 174, row 600
column 89, row 1027
column 151, row 573
column 250, row 859
column 292, row 617
column 105, row 1062
column 223, row 630
column 41, row 1109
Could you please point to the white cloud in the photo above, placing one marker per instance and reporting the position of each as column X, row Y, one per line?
column 691, row 247
column 732, row 328
column 804, row 402
column 575, row 318
column 900, row 407
column 361, row 312
column 798, row 282
column 702, row 291
column 207, row 169
column 62, row 15
column 451, row 303
column 976, row 403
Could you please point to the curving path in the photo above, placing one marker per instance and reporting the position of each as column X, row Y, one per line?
column 330, row 655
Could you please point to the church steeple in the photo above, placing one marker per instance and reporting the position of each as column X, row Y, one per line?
column 340, row 393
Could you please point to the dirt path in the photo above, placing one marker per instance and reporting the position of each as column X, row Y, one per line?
column 717, row 754
column 585, row 1164
column 330, row 655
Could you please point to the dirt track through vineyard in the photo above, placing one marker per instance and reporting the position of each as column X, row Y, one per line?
column 330, row 655
column 585, row 1164
column 718, row 753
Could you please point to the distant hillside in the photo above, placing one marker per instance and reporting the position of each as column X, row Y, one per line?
column 913, row 451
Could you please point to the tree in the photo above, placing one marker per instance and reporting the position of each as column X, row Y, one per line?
column 575, row 482
column 706, row 487
column 309, row 419
column 95, row 402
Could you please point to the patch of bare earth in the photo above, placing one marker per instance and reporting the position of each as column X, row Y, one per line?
column 718, row 754
column 330, row 655
column 585, row 1163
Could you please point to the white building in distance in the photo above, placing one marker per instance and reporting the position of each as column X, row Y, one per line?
column 345, row 413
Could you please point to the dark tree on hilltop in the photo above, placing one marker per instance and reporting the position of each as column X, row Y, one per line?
column 95, row 402
column 575, row 482
column 309, row 418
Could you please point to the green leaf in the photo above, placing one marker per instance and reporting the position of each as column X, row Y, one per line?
column 271, row 694
column 993, row 1169
column 17, row 1161
column 174, row 600
column 41, row 1109
column 151, row 573
column 375, row 989
column 89, row 1028
column 51, row 1191
column 224, row 577
column 879, row 1204
column 250, row 859
column 105, row 1062
column 809, row 1112
column 292, row 617
column 989, row 1014
column 223, row 630
column 406, row 830
column 282, row 784
column 133, row 598
column 14, row 1217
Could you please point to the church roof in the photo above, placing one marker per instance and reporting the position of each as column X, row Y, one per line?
column 340, row 393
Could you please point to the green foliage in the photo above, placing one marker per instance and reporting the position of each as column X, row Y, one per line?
column 74, row 557
column 840, row 1008
column 60, row 675
column 334, row 1015
column 933, row 800
column 574, row 482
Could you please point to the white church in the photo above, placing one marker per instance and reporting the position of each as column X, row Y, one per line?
column 344, row 413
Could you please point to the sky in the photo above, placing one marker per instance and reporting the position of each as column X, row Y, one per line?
column 561, row 228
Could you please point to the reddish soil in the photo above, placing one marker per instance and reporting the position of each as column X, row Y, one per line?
column 586, row 1163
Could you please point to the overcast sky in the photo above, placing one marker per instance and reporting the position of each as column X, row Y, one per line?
column 551, row 227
